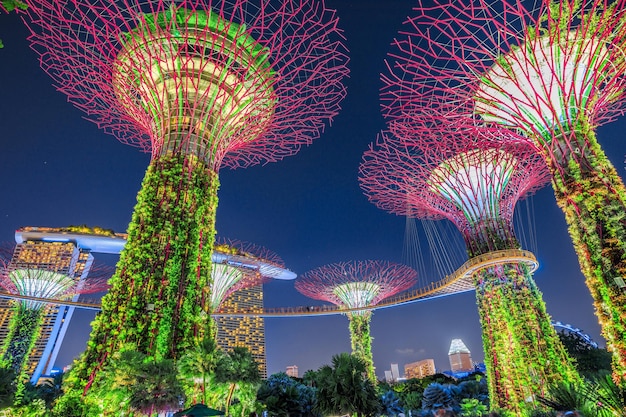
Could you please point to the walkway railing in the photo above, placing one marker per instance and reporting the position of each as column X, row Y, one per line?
column 458, row 282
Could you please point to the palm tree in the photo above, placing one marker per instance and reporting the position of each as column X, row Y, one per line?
column 345, row 388
column 283, row 396
column 146, row 384
column 158, row 389
column 50, row 389
column 237, row 367
column 199, row 363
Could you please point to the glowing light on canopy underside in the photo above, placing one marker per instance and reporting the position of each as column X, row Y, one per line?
column 474, row 181
column 40, row 283
column 544, row 86
column 224, row 278
column 356, row 294
column 196, row 76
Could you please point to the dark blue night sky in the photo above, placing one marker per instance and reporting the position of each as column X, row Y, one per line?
column 58, row 169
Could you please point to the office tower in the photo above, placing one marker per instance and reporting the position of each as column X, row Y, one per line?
column 388, row 376
column 460, row 356
column 65, row 251
column 292, row 371
column 247, row 331
column 393, row 374
column 419, row 369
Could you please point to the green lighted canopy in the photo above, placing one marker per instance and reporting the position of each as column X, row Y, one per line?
column 474, row 181
column 544, row 85
column 196, row 81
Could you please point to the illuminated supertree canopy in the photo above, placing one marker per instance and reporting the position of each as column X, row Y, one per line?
column 548, row 72
column 49, row 283
column 357, row 284
column 200, row 85
column 475, row 181
column 238, row 265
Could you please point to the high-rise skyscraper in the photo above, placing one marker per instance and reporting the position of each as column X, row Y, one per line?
column 248, row 331
column 64, row 250
column 460, row 356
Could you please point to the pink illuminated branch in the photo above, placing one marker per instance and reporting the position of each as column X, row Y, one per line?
column 239, row 265
column 542, row 69
column 238, row 247
column 356, row 284
column 467, row 176
column 252, row 86
column 52, row 283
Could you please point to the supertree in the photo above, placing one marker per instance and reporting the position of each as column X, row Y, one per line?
column 357, row 284
column 238, row 265
column 475, row 182
column 50, row 283
column 200, row 84
column 548, row 72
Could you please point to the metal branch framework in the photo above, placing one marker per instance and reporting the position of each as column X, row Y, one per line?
column 357, row 284
column 475, row 181
column 27, row 279
column 201, row 85
column 231, row 275
column 547, row 72
column 237, row 82
column 467, row 177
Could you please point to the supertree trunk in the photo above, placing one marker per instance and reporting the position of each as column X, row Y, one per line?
column 523, row 353
column 23, row 332
column 593, row 198
column 520, row 343
column 361, row 341
column 154, row 304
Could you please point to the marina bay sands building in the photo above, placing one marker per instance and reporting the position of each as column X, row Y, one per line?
column 64, row 250
column 70, row 250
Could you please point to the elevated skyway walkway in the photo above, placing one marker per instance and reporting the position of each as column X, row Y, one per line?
column 459, row 282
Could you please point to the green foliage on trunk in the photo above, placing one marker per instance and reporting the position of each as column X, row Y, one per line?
column 523, row 353
column 361, row 341
column 593, row 198
column 155, row 302
column 23, row 332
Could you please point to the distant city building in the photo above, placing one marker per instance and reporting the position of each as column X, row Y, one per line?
column 395, row 372
column 392, row 375
column 388, row 376
column 292, row 371
column 419, row 369
column 245, row 331
column 460, row 357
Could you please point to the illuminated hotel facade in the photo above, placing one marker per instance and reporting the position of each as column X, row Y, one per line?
column 65, row 251
column 247, row 331
column 69, row 250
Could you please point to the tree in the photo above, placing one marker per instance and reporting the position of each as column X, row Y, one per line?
column 238, row 367
column 590, row 361
column 147, row 385
column 285, row 397
column 7, row 386
column 198, row 363
column 157, row 388
column 345, row 388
